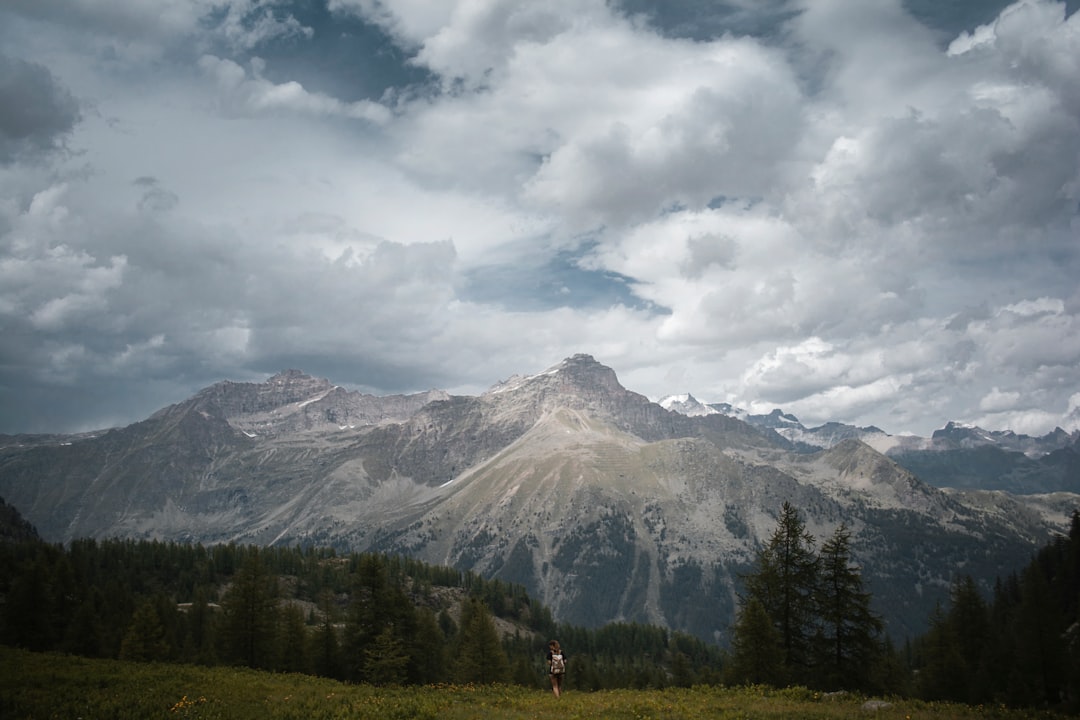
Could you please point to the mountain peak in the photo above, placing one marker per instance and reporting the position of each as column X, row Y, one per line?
column 579, row 363
column 582, row 372
column 577, row 371
column 287, row 375
column 687, row 404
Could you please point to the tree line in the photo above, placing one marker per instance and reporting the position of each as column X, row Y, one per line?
column 804, row 618
column 360, row 617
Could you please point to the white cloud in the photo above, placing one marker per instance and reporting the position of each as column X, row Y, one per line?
column 845, row 219
column 254, row 94
column 249, row 23
column 997, row 401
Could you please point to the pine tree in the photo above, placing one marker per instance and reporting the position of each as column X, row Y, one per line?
column 83, row 635
column 294, row 640
column 377, row 603
column 969, row 622
column 201, row 623
column 326, row 648
column 478, row 655
column 1040, row 648
column 250, row 621
column 29, row 607
column 386, row 659
column 757, row 656
column 850, row 631
column 785, row 584
column 942, row 675
column 429, row 649
column 145, row 638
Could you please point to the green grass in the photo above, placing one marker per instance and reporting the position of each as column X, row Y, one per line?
column 40, row 686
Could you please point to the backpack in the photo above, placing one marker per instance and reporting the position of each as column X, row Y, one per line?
column 558, row 666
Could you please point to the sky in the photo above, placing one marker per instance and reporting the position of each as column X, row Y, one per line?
column 866, row 212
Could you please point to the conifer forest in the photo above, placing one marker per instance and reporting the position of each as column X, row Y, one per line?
column 804, row 620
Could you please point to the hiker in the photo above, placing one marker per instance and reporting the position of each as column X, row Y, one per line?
column 556, row 667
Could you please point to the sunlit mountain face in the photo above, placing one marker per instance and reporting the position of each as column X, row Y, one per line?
column 604, row 505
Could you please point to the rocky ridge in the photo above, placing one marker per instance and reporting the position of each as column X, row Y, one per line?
column 606, row 506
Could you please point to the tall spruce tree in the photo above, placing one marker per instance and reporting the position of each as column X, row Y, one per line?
column 325, row 646
column 293, row 640
column 1038, row 675
column 850, row 645
column 250, row 609
column 377, row 603
column 970, row 625
column 145, row 637
column 429, row 648
column 478, row 655
column 386, row 659
column 755, row 645
column 785, row 583
column 200, row 638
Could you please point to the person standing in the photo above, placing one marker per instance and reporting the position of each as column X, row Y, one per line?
column 556, row 660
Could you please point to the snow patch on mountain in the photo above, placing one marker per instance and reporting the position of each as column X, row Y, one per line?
column 687, row 404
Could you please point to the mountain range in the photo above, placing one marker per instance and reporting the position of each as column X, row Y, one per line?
column 605, row 505
column 956, row 456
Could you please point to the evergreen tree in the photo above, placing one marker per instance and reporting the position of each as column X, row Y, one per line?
column 942, row 675
column 850, row 632
column 429, row 649
column 83, row 635
column 893, row 672
column 785, row 584
column 250, row 614
column 377, row 603
column 199, row 630
column 294, row 640
column 1040, row 648
column 478, row 654
column 145, row 638
column 326, row 648
column 386, row 659
column 757, row 654
column 969, row 624
column 28, row 607
column 682, row 673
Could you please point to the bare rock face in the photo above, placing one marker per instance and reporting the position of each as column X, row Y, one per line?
column 292, row 402
column 604, row 505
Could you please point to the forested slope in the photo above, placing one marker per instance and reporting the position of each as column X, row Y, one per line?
column 359, row 617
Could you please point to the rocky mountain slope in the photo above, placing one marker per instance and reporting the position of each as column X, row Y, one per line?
column 606, row 506
column 13, row 528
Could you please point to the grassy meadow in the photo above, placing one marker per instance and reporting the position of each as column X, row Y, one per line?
column 40, row 686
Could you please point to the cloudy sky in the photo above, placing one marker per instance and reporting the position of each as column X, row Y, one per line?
column 857, row 211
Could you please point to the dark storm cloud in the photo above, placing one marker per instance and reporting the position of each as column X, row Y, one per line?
column 36, row 112
column 866, row 211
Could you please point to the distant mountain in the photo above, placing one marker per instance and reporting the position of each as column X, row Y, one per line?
column 606, row 506
column 689, row 405
column 956, row 456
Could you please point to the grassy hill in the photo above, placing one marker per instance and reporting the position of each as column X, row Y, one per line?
column 39, row 685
